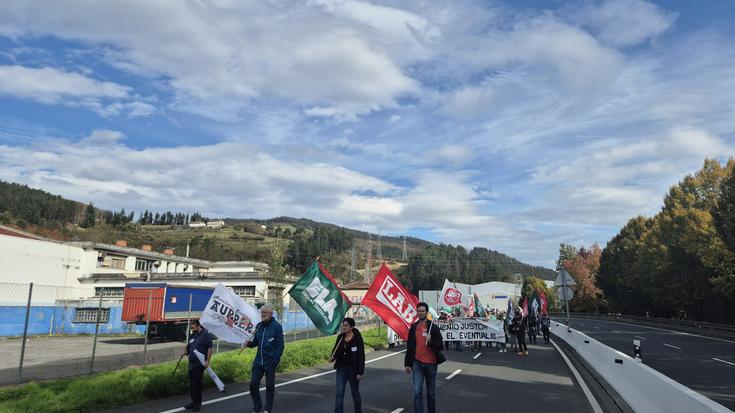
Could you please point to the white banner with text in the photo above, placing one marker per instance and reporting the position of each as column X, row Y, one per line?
column 471, row 329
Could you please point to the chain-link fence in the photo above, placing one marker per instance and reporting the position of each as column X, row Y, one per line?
column 50, row 331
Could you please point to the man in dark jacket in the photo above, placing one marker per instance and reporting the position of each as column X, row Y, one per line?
column 201, row 341
column 269, row 340
column 423, row 355
column 348, row 355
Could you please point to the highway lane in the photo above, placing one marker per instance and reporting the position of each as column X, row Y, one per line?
column 704, row 364
column 466, row 382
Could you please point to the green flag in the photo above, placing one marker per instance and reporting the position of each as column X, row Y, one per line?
column 320, row 298
column 478, row 305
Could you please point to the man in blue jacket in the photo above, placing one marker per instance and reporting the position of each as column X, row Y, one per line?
column 269, row 340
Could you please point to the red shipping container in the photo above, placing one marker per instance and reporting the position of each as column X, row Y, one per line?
column 135, row 302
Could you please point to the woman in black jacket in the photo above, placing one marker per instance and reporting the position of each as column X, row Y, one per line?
column 348, row 355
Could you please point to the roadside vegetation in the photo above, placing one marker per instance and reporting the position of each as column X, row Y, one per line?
column 138, row 384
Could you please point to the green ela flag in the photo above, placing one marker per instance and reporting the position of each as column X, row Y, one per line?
column 478, row 305
column 318, row 294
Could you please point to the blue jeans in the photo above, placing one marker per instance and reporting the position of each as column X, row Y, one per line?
column 270, row 387
column 345, row 374
column 424, row 372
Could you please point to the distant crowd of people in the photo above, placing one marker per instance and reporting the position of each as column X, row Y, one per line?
column 515, row 328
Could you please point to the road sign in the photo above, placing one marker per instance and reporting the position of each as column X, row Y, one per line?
column 564, row 279
column 565, row 293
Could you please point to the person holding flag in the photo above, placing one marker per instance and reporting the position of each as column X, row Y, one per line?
column 509, row 318
column 348, row 356
column 199, row 341
column 423, row 355
column 268, row 338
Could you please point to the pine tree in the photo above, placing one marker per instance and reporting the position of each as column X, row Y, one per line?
column 89, row 216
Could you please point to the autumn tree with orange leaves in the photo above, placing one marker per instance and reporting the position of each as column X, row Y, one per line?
column 584, row 267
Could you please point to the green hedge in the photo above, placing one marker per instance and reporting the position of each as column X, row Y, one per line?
column 138, row 384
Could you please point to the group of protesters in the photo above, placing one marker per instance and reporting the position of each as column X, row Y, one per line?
column 533, row 324
column 516, row 327
column 423, row 355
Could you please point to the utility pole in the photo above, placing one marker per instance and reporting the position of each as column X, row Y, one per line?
column 353, row 266
column 405, row 252
column 380, row 250
column 369, row 261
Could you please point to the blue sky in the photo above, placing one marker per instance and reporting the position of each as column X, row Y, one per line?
column 509, row 125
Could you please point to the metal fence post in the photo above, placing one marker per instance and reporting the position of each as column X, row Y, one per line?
column 25, row 333
column 147, row 326
column 96, row 331
column 188, row 322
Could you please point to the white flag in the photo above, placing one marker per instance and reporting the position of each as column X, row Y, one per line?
column 451, row 296
column 229, row 317
column 212, row 374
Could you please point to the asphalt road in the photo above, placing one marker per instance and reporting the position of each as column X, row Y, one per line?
column 704, row 364
column 466, row 382
column 63, row 356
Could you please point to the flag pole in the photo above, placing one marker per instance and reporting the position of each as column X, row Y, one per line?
column 336, row 347
column 177, row 365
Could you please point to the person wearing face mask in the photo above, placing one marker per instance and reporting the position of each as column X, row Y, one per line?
column 423, row 355
column 348, row 356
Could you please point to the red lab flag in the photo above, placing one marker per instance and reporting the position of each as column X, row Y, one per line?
column 391, row 302
column 544, row 303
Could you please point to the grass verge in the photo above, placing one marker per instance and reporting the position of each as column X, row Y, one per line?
column 138, row 384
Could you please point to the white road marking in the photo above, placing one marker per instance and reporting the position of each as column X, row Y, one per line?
column 642, row 338
column 671, row 331
column 669, row 345
column 593, row 402
column 456, row 372
column 221, row 399
column 398, row 410
column 723, row 361
column 476, row 356
column 597, row 328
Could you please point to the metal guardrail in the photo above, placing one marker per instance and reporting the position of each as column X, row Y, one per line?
column 715, row 328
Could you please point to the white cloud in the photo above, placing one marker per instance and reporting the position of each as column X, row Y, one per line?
column 49, row 85
column 212, row 52
column 621, row 23
column 453, row 155
column 239, row 180
column 613, row 181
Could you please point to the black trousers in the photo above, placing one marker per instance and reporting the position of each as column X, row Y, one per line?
column 196, row 370
column 545, row 330
column 522, row 342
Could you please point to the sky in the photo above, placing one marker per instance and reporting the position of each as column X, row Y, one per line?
column 514, row 126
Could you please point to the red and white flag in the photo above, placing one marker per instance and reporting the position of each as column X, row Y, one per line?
column 392, row 302
column 524, row 307
column 452, row 296
column 544, row 303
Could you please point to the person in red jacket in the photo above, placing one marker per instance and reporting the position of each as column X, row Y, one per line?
column 423, row 355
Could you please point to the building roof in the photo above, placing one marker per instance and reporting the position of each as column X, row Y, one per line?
column 141, row 253
column 12, row 232
column 226, row 264
column 357, row 285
